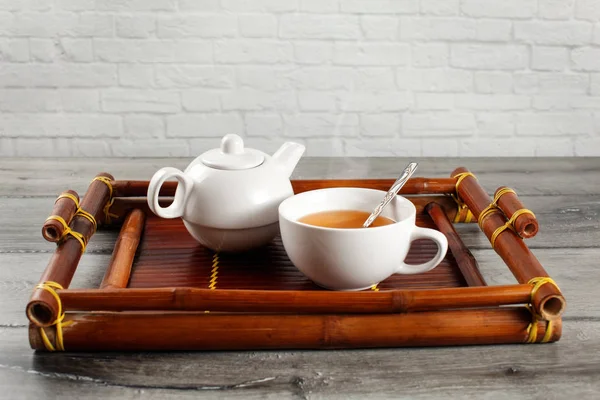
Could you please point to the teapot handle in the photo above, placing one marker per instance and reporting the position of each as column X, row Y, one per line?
column 176, row 209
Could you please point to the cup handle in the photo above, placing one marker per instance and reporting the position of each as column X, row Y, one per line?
column 442, row 243
column 176, row 209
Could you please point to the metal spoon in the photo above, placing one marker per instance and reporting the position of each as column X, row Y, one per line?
column 407, row 173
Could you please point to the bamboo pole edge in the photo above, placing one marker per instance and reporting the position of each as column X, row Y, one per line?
column 223, row 300
column 119, row 268
column 43, row 307
column 548, row 301
column 503, row 326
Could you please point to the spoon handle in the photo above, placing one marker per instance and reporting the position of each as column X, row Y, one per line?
column 406, row 174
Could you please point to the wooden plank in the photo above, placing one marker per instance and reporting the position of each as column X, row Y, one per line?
column 576, row 214
column 569, row 368
column 540, row 176
column 573, row 269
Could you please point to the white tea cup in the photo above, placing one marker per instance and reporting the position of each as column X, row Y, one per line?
column 353, row 259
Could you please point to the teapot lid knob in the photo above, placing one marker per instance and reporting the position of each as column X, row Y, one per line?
column 232, row 144
column 232, row 155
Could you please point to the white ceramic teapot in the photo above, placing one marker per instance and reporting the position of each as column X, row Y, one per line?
column 228, row 197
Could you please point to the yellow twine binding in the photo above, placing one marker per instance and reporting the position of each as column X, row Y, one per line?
column 107, row 214
column 109, row 203
column 459, row 212
column 68, row 231
column 509, row 225
column 501, row 193
column 489, row 210
column 107, row 182
column 214, row 274
column 81, row 212
column 51, row 288
column 493, row 208
column 461, row 205
column 532, row 329
column 375, row 288
column 469, row 217
column 462, row 176
column 68, row 196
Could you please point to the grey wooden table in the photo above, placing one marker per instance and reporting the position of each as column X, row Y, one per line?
column 563, row 193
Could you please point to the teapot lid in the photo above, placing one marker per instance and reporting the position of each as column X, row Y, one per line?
column 232, row 155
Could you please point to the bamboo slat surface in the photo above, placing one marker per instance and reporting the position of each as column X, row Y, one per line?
column 170, row 257
column 563, row 193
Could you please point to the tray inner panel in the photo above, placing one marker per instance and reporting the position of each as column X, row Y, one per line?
column 169, row 257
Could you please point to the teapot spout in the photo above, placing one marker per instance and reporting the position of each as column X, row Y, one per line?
column 288, row 156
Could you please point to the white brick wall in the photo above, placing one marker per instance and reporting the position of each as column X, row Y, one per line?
column 345, row 77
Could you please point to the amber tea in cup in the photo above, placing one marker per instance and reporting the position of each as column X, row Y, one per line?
column 345, row 219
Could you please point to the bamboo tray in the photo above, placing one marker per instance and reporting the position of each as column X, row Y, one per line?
column 164, row 291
